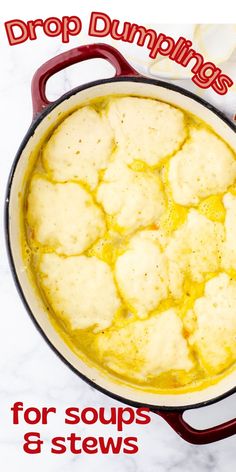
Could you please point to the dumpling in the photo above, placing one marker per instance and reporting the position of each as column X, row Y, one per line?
column 64, row 216
column 80, row 147
column 80, row 289
column 215, row 335
column 133, row 199
column 205, row 165
column 141, row 274
column 147, row 348
column 194, row 250
column 146, row 129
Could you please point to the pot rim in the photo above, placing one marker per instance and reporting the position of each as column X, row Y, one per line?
column 36, row 121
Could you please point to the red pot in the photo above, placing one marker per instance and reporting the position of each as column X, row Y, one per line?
column 126, row 81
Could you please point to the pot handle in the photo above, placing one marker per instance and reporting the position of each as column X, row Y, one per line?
column 73, row 56
column 197, row 436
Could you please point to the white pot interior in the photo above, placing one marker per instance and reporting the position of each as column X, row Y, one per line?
column 35, row 303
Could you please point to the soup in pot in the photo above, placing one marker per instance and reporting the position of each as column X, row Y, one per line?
column 129, row 230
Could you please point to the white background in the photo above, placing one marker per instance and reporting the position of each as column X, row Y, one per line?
column 29, row 370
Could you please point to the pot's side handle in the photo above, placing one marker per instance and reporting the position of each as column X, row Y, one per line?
column 73, row 56
column 197, row 436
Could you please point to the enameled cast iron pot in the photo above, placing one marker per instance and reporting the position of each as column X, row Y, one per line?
column 126, row 81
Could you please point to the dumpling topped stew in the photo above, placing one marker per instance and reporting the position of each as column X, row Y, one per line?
column 129, row 233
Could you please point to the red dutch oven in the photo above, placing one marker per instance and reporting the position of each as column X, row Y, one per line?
column 45, row 115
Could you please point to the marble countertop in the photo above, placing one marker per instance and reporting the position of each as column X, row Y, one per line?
column 29, row 370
